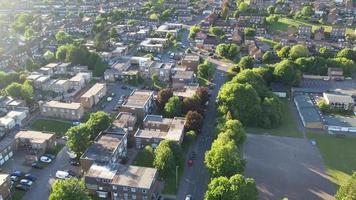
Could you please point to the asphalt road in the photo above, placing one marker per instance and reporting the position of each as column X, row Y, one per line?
column 195, row 178
column 41, row 189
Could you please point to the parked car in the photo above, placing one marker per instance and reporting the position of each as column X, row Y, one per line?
column 71, row 172
column 17, row 173
column 22, row 187
column 14, row 178
column 62, row 174
column 26, row 182
column 74, row 162
column 36, row 165
column 45, row 159
column 30, row 177
column 188, row 197
column 50, row 156
column 124, row 87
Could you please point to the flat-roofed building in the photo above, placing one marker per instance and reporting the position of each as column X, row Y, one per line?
column 153, row 44
column 93, row 95
column 191, row 61
column 5, row 186
column 37, row 141
column 57, row 109
column 308, row 113
column 187, row 91
column 339, row 101
column 79, row 80
column 98, row 179
column 336, row 73
column 133, row 182
column 182, row 78
column 125, row 120
column 156, row 128
column 108, row 148
column 140, row 103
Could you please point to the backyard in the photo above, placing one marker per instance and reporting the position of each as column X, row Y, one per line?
column 50, row 125
column 338, row 154
column 287, row 128
column 282, row 25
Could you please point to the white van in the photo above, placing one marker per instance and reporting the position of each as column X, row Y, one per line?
column 62, row 174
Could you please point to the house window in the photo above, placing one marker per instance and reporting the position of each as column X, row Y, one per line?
column 133, row 196
column 133, row 189
column 114, row 187
column 125, row 188
column 144, row 191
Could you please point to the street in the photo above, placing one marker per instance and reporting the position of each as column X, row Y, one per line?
column 195, row 178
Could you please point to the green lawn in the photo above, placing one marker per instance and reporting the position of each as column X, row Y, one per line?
column 339, row 155
column 268, row 41
column 18, row 194
column 141, row 160
column 170, row 183
column 58, row 127
column 288, row 127
column 283, row 23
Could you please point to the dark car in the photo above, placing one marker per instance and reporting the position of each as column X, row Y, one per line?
column 36, row 165
column 30, row 177
column 22, row 187
column 193, row 155
column 74, row 162
column 71, row 172
column 17, row 173
column 124, row 87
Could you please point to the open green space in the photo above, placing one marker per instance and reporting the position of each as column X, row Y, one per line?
column 51, row 125
column 142, row 160
column 282, row 25
column 267, row 41
column 18, row 194
column 339, row 155
column 287, row 128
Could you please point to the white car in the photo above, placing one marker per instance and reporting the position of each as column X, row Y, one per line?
column 62, row 174
column 26, row 182
column 188, row 197
column 109, row 99
column 45, row 159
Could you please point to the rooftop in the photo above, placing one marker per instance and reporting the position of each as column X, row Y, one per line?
column 329, row 97
column 3, row 178
column 138, row 98
column 123, row 119
column 183, row 74
column 94, row 90
column 34, row 136
column 58, row 104
column 102, row 172
column 134, row 176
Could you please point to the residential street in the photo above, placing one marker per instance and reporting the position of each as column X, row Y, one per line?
column 42, row 187
column 195, row 179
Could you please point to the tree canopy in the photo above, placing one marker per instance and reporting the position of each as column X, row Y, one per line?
column 173, row 107
column 69, row 189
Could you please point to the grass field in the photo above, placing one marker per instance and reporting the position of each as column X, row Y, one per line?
column 58, row 127
column 283, row 23
column 268, row 41
column 141, row 160
column 288, row 127
column 339, row 155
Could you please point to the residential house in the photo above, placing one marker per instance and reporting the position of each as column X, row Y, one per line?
column 319, row 34
column 140, row 103
column 339, row 101
column 35, row 141
column 126, row 121
column 182, row 78
column 338, row 33
column 336, row 73
column 304, row 31
column 93, row 95
column 170, row 28
column 153, row 44
column 56, row 109
column 78, row 81
column 5, row 186
column 332, row 16
column 162, row 70
column 191, row 61
column 108, row 149
column 156, row 128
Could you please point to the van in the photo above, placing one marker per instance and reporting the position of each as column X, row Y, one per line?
column 62, row 174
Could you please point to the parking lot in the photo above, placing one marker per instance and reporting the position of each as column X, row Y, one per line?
column 118, row 91
column 328, row 85
column 286, row 167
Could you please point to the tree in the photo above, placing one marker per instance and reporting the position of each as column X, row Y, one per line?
column 78, row 139
column 246, row 62
column 283, row 53
column 193, row 31
column 191, row 135
column 113, row 33
column 154, row 16
column 307, row 11
column 48, row 56
column 271, row 10
column 287, row 73
column 216, row 31
column 227, row 50
column 31, row 65
column 22, row 91
column 223, row 159
column 148, row 154
column 167, row 158
column 347, row 191
column 236, row 188
column 298, row 51
column 194, row 121
column 325, row 52
column 249, row 32
column 173, row 107
column 63, row 38
column 312, row 65
column 347, row 65
column 98, row 122
column 252, row 78
column 241, row 100
column 69, row 189
column 233, row 130
column 100, row 40
column 323, row 106
column 272, row 112
column 29, row 34
column 268, row 57
column 192, row 104
column 206, row 70
column 154, row 78
column 162, row 98
column 347, row 53
column 61, row 53
column 203, row 94
column 243, row 7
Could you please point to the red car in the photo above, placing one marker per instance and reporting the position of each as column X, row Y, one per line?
column 190, row 162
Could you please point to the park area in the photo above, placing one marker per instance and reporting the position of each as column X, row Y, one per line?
column 339, row 155
column 286, row 167
column 282, row 25
column 288, row 126
column 51, row 125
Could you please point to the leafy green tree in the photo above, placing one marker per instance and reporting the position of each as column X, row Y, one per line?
column 283, row 53
column 69, row 189
column 154, row 78
column 206, row 70
column 29, row 34
column 22, row 91
column 192, row 104
column 249, row 32
column 243, row 7
column 347, row 53
column 173, row 107
column 323, row 106
column 268, row 57
column 194, row 121
column 100, row 41
column 307, row 11
column 191, row 135
column 227, row 50
column 31, row 65
column 233, row 130
column 131, row 22
column 48, row 56
column 162, row 98
column 113, row 33
column 223, row 159
column 236, row 188
column 246, row 62
column 193, row 31
column 216, row 31
column 148, row 154
column 168, row 155
column 272, row 112
column 154, row 16
column 287, row 73
column 312, row 65
column 271, row 10
column 347, row 191
column 78, row 139
column 98, row 121
column 347, row 65
column 325, row 52
column 63, row 38
column 241, row 100
column 252, row 78
column 61, row 53
column 298, row 51
column 203, row 94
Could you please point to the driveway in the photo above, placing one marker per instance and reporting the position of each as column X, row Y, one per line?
column 114, row 87
column 42, row 187
column 286, row 167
